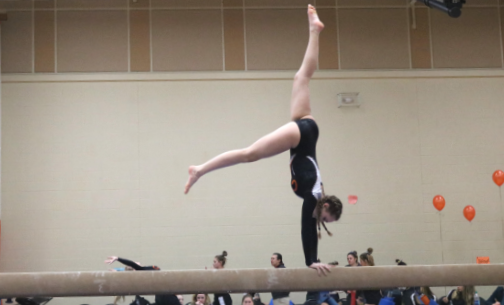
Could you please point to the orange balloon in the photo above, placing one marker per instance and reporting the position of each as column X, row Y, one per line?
column 438, row 202
column 498, row 177
column 469, row 212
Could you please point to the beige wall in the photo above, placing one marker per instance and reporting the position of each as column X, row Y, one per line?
column 94, row 165
column 48, row 36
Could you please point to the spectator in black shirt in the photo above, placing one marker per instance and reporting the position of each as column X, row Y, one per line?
column 221, row 298
column 279, row 298
column 370, row 296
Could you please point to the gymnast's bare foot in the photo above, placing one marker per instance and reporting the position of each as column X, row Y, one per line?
column 315, row 24
column 193, row 177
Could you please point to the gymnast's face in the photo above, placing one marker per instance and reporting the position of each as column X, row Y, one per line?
column 325, row 216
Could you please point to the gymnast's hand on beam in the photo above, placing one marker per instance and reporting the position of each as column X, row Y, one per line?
column 111, row 259
column 321, row 268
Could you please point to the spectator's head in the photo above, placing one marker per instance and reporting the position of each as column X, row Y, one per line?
column 180, row 298
column 366, row 259
column 352, row 258
column 335, row 263
column 400, row 262
column 220, row 260
column 329, row 209
column 465, row 293
column 247, row 300
column 201, row 298
column 276, row 260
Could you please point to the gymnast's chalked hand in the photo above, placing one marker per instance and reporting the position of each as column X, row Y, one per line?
column 111, row 259
column 321, row 268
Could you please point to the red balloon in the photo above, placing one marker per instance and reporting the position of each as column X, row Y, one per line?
column 469, row 212
column 438, row 202
column 498, row 177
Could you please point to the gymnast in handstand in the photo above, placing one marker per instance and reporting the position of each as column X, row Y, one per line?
column 300, row 137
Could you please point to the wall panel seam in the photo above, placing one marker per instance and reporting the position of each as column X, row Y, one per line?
column 33, row 35
column 55, row 37
column 408, row 31
column 245, row 35
column 128, row 25
column 150, row 37
column 430, row 39
column 499, row 13
column 223, row 43
column 338, row 44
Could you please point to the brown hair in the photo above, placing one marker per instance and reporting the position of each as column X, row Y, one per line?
column 222, row 258
column 335, row 263
column 335, row 208
column 427, row 291
column 400, row 262
column 368, row 257
column 247, row 296
column 207, row 298
column 467, row 294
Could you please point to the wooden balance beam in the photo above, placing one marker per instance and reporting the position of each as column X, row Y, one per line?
column 105, row 283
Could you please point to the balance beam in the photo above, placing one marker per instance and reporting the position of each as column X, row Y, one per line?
column 105, row 283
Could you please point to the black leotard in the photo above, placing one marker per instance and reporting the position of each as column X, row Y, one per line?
column 136, row 266
column 161, row 299
column 307, row 184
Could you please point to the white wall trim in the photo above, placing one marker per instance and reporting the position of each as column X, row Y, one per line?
column 259, row 75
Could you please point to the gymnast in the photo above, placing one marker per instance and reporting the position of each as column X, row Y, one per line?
column 160, row 299
column 300, row 137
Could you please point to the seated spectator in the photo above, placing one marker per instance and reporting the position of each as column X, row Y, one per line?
column 424, row 296
column 334, row 294
column 353, row 261
column 180, row 298
column 325, row 297
column 248, row 299
column 394, row 295
column 496, row 298
column 279, row 298
column 221, row 298
column 462, row 295
column 372, row 296
column 200, row 299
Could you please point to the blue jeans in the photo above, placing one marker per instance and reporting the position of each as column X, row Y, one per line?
column 325, row 297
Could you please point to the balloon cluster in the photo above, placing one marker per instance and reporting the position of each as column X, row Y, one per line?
column 469, row 211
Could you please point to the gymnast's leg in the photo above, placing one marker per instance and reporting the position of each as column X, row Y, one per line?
column 285, row 137
column 300, row 100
